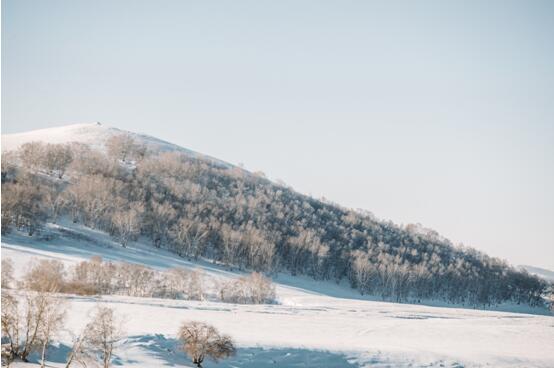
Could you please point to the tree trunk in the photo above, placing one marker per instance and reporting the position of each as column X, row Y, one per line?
column 198, row 362
column 43, row 355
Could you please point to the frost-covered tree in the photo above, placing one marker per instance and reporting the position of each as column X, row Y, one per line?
column 124, row 147
column 31, row 155
column 126, row 222
column 158, row 219
column 52, row 321
column 29, row 320
column 189, row 234
column 22, row 205
column 198, row 207
column 103, row 332
column 56, row 158
column 200, row 341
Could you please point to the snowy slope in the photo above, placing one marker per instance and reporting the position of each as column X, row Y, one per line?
column 93, row 134
column 540, row 272
column 316, row 324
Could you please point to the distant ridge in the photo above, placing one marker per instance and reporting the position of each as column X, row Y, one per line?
column 540, row 272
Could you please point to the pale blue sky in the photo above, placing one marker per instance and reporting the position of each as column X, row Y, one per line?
column 433, row 112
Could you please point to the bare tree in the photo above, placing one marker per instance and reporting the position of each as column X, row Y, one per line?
column 91, row 198
column 158, row 220
column 231, row 245
column 175, row 283
column 56, row 158
column 127, row 223
column 79, row 353
column 7, row 272
column 135, row 280
column 121, row 147
column 9, row 165
column 95, row 274
column 29, row 320
column 55, row 202
column 10, row 328
column 189, row 235
column 260, row 250
column 87, row 161
column 103, row 332
column 201, row 341
column 53, row 317
column 31, row 155
column 34, row 314
column 195, row 286
column 22, row 205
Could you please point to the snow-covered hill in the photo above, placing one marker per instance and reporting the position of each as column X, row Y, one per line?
column 315, row 324
column 94, row 134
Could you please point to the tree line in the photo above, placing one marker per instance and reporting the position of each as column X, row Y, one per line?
column 196, row 208
column 98, row 277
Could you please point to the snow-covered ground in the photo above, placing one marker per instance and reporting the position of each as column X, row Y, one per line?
column 315, row 324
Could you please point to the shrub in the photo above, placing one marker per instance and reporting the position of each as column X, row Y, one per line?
column 252, row 289
column 79, row 288
column 46, row 276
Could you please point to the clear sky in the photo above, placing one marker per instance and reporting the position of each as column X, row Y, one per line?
column 436, row 112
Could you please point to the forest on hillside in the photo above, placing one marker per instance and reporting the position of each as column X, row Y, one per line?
column 198, row 207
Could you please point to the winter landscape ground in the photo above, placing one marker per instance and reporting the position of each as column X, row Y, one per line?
column 313, row 324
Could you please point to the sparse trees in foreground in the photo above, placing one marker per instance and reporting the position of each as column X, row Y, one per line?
column 103, row 332
column 52, row 320
column 29, row 321
column 78, row 353
column 201, row 341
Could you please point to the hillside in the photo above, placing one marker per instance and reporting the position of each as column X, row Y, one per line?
column 135, row 186
column 313, row 324
column 540, row 272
